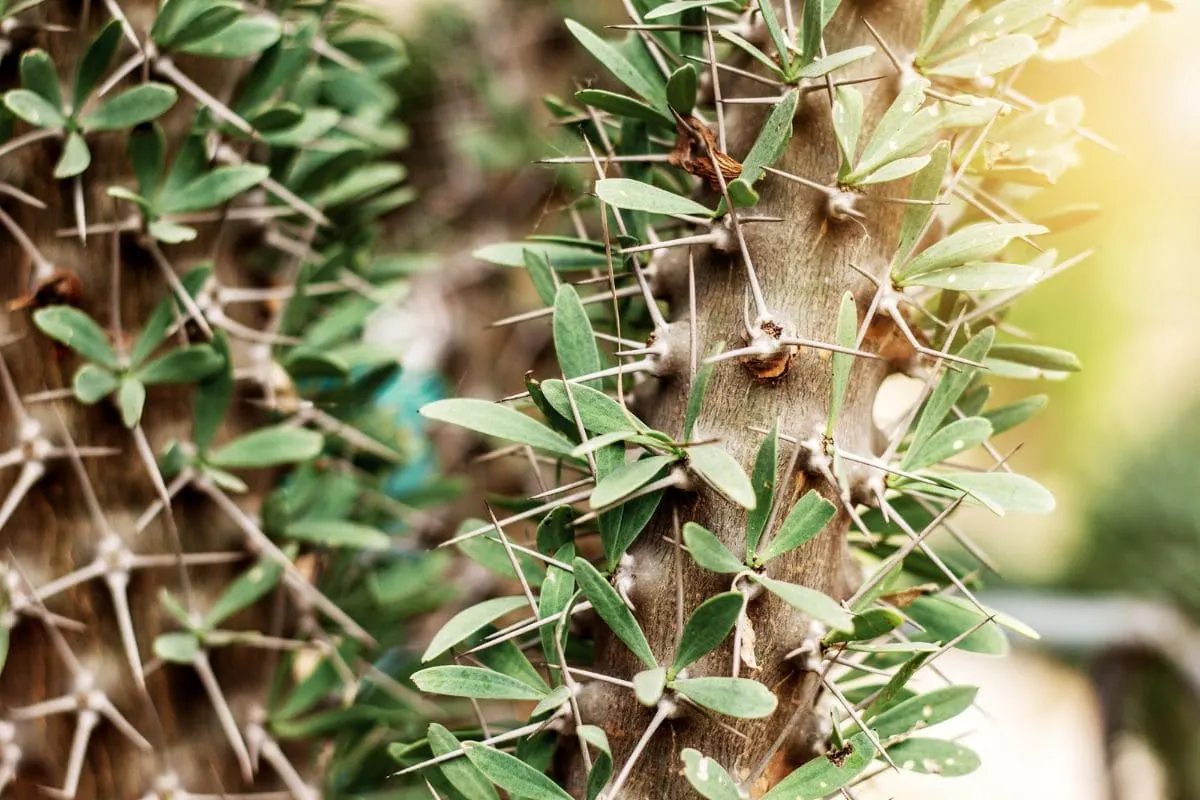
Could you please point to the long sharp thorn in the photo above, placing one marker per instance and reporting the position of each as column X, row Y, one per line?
column 224, row 714
column 845, row 704
column 666, row 708
column 118, row 586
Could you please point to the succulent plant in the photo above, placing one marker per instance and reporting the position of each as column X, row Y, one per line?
column 724, row 585
column 205, row 478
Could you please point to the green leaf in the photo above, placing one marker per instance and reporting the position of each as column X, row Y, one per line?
column 648, row 686
column 934, row 757
column 988, row 58
column 574, row 340
column 500, row 421
column 603, row 765
column 217, row 187
column 946, row 618
column 894, row 170
column 682, row 87
column 978, row 276
column 926, row 188
column 847, row 124
column 474, row 682
column 772, row 140
column 752, row 51
column 513, row 775
column 817, row 605
column 867, row 625
column 599, row 412
column 679, row 6
column 470, row 621
column 268, row 447
column 545, row 282
column 957, row 437
column 338, row 533
column 562, row 257
column 923, row 711
column 34, row 109
column 950, row 388
column 1011, row 493
column 628, row 479
column 708, row 777
column 767, row 10
column 247, row 36
column 79, row 332
column 93, row 383
column 1010, row 416
column 171, row 232
column 621, row 67
column 819, row 67
column 246, row 590
column 462, row 774
column 723, row 473
column 973, row 243
column 131, row 399
column 708, row 551
column 610, row 608
column 185, row 365
column 634, row 195
column 824, row 775
column 213, row 394
column 764, row 478
column 38, row 75
column 893, row 135
column 550, row 702
column 847, row 336
column 806, row 519
column 178, row 647
column 130, row 107
column 95, row 62
column 147, row 153
column 696, row 394
column 734, row 697
column 708, row 626
column 620, row 105
column 75, row 157
column 558, row 588
column 1032, row 355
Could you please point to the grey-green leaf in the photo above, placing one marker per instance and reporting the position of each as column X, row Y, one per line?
column 1007, row 491
column 474, row 682
column 923, row 711
column 574, row 341
column 610, row 608
column 93, row 383
column 648, row 686
column 934, row 757
column 34, row 109
column 628, row 479
column 708, row 551
column 130, row 108
column 513, row 775
column 824, row 775
column 632, row 195
column 79, row 332
column 977, row 242
column 723, row 473
column 470, row 621
column 817, row 605
column 765, row 468
column 734, row 697
column 268, row 447
column 622, row 68
column 957, row 437
column 806, row 519
column 131, row 399
column 708, row 626
column 950, row 388
column 772, row 140
column 708, row 777
column 499, row 421
column 185, row 365
column 338, row 533
column 462, row 774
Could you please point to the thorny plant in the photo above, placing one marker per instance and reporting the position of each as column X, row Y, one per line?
column 791, row 202
column 196, row 206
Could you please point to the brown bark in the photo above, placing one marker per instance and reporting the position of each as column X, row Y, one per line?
column 52, row 532
column 804, row 267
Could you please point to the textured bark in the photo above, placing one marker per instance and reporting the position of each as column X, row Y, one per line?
column 804, row 266
column 52, row 532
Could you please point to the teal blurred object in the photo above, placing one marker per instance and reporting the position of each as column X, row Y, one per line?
column 402, row 399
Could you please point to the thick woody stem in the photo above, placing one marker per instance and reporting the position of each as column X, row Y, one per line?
column 804, row 265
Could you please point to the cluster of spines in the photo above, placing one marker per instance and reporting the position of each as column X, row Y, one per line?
column 298, row 163
column 971, row 144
